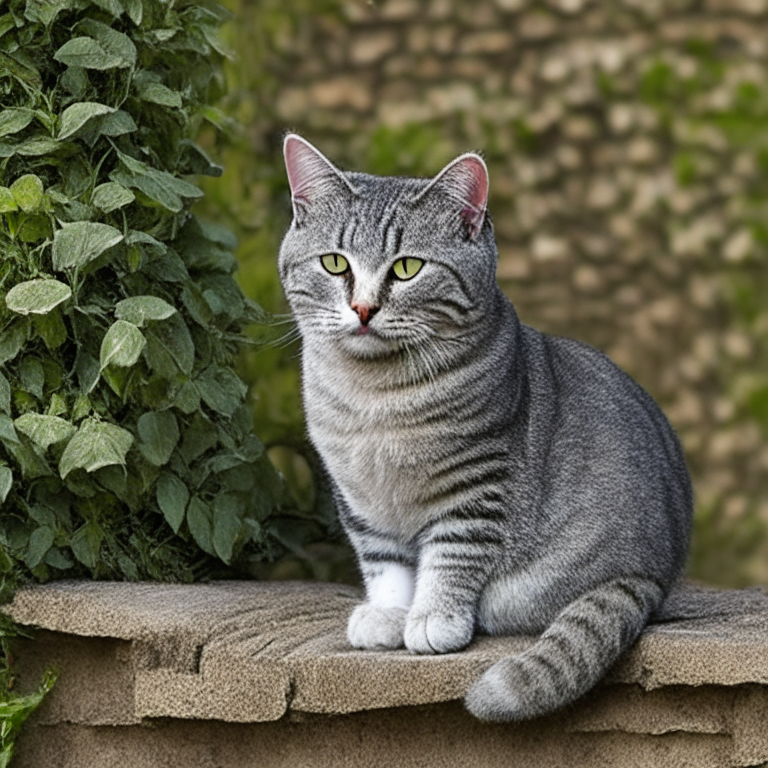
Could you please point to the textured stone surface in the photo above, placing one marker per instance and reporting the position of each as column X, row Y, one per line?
column 233, row 674
column 250, row 651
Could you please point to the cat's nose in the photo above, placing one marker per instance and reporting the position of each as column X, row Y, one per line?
column 364, row 311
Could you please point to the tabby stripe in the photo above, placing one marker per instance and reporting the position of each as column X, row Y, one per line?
column 582, row 622
column 398, row 239
column 359, row 526
column 466, row 537
column 556, row 672
column 386, row 227
column 564, row 645
column 468, row 461
column 460, row 280
column 637, row 599
column 340, row 238
column 484, row 513
column 386, row 557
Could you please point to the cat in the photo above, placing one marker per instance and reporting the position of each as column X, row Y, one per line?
column 491, row 478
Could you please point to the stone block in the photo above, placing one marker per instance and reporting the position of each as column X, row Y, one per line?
column 537, row 25
column 488, row 41
column 399, row 10
column 342, row 91
column 368, row 48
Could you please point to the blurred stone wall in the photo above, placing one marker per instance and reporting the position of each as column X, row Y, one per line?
column 625, row 205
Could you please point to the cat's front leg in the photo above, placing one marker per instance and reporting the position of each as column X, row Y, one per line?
column 379, row 622
column 388, row 573
column 458, row 554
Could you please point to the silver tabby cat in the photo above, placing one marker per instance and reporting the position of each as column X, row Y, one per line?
column 491, row 478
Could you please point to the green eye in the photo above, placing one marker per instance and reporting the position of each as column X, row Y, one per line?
column 335, row 264
column 405, row 269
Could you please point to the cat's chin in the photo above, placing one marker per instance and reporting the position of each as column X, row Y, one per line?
column 369, row 346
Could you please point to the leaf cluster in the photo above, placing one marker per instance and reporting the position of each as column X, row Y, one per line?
column 126, row 448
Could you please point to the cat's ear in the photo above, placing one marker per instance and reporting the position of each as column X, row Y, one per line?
column 310, row 174
column 465, row 182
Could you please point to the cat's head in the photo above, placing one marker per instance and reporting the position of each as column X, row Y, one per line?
column 377, row 264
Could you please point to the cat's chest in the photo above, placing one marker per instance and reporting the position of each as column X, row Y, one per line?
column 379, row 453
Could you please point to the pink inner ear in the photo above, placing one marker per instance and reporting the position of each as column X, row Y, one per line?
column 308, row 171
column 476, row 182
column 467, row 182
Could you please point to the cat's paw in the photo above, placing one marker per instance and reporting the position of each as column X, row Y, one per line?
column 438, row 632
column 372, row 627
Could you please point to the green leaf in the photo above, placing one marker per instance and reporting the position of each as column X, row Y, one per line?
column 57, row 559
column 137, row 309
column 135, row 10
column 112, row 7
column 157, row 93
column 86, row 544
column 5, row 395
column 110, row 49
column 15, row 120
column 45, row 11
column 110, row 196
column 44, row 430
column 12, row 339
column 37, row 297
column 116, row 43
column 81, row 408
column 187, row 398
column 7, row 203
column 172, row 498
column 158, row 436
column 57, row 405
column 75, row 80
column 36, row 146
column 77, row 244
column 196, row 160
column 78, row 115
column 51, row 328
column 122, row 346
column 40, row 542
column 221, row 389
column 28, row 192
column 87, row 53
column 170, row 346
column 164, row 188
column 35, row 228
column 226, row 524
column 32, row 376
column 8, row 435
column 96, row 444
column 117, row 124
column 6, row 482
column 199, row 437
column 199, row 522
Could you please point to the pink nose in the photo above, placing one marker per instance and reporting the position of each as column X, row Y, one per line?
column 364, row 312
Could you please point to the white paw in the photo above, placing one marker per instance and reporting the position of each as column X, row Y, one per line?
column 438, row 632
column 372, row 627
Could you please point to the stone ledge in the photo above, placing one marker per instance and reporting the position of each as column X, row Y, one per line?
column 254, row 652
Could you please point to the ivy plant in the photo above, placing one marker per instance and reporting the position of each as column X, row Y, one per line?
column 126, row 448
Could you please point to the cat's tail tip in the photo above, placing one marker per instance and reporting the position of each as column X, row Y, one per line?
column 492, row 698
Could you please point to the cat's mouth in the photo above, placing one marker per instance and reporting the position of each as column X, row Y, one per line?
column 366, row 341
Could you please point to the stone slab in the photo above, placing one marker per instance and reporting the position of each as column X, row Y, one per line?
column 172, row 674
column 250, row 651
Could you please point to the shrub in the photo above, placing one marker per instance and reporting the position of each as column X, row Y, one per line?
column 126, row 445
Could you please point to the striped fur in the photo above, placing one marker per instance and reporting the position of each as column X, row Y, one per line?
column 490, row 477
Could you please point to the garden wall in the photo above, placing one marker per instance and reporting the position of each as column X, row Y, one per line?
column 244, row 674
column 628, row 185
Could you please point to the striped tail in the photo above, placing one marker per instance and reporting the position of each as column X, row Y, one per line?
column 572, row 655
